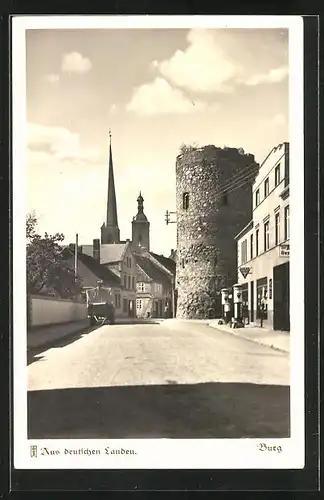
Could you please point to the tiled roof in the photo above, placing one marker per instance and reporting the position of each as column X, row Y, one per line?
column 152, row 270
column 112, row 253
column 108, row 252
column 165, row 261
column 97, row 269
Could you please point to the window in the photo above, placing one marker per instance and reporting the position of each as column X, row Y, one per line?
column 251, row 246
column 243, row 252
column 277, row 228
column 266, row 236
column 185, row 201
column 128, row 282
column 277, row 175
column 141, row 287
column 125, row 305
column 125, row 281
column 257, row 197
column 266, row 187
column 138, row 304
column 133, row 283
column 287, row 225
column 257, row 242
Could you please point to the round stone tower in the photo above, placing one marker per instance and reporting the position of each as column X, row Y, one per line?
column 213, row 204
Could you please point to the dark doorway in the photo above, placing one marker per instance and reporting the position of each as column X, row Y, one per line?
column 252, row 301
column 281, row 294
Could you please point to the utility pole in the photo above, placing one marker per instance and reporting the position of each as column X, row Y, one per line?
column 76, row 255
column 169, row 221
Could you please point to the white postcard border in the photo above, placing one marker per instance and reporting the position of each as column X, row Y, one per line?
column 159, row 453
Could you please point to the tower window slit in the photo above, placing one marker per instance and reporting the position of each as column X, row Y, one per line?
column 185, row 201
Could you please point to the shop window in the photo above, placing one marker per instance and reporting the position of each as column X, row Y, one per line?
column 262, row 295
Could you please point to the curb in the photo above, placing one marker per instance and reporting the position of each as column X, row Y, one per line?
column 249, row 339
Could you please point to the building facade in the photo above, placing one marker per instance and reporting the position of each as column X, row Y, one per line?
column 263, row 245
column 89, row 271
column 120, row 260
column 155, row 287
column 213, row 202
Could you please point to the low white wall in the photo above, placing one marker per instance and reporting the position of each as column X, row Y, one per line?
column 49, row 310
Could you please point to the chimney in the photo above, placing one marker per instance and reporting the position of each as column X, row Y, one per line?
column 96, row 249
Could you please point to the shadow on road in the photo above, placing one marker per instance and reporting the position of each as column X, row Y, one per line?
column 207, row 410
column 33, row 353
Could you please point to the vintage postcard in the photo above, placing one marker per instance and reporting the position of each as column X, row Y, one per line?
column 157, row 184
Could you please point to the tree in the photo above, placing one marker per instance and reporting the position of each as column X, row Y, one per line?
column 188, row 148
column 47, row 270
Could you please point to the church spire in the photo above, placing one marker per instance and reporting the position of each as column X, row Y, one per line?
column 110, row 231
column 111, row 201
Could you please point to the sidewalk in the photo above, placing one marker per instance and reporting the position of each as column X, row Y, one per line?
column 272, row 338
column 42, row 335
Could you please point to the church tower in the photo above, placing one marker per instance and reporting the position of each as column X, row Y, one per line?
column 140, row 226
column 110, row 230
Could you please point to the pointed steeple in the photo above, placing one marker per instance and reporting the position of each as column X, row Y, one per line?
column 110, row 231
column 112, row 219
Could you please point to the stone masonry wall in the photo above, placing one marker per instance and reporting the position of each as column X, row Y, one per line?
column 206, row 248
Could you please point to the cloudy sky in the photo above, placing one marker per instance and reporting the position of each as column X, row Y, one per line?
column 155, row 89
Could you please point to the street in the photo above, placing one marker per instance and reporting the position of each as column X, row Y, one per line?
column 170, row 379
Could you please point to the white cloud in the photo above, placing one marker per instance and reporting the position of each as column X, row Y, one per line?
column 202, row 67
column 74, row 62
column 273, row 76
column 60, row 143
column 52, row 78
column 159, row 97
